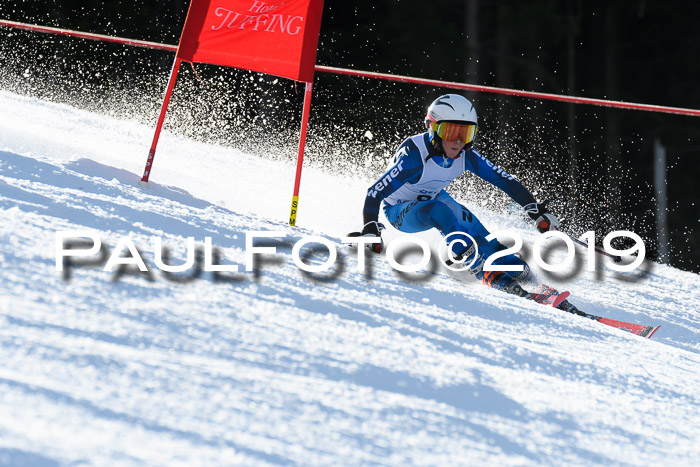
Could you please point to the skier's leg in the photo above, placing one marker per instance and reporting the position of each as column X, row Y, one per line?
column 467, row 222
column 450, row 217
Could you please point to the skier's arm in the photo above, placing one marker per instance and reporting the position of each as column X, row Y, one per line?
column 544, row 220
column 498, row 177
column 407, row 168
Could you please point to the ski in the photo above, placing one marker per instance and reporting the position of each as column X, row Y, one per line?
column 549, row 296
column 637, row 329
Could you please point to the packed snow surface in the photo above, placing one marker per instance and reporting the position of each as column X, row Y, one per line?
column 276, row 366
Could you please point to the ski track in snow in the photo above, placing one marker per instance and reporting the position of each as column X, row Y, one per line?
column 282, row 368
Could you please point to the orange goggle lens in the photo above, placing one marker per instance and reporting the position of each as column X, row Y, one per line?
column 454, row 131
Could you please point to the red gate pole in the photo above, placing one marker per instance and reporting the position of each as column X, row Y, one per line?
column 300, row 155
column 161, row 118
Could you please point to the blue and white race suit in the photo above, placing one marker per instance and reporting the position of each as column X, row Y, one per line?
column 415, row 200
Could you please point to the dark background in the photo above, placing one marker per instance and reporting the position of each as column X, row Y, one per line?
column 595, row 164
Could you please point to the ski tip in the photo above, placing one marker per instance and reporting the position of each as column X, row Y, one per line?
column 636, row 329
column 560, row 298
column 653, row 330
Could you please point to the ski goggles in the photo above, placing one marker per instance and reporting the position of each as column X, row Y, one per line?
column 454, row 131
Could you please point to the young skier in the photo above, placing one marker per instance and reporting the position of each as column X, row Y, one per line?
column 415, row 200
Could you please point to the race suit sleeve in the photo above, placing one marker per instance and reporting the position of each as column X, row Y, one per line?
column 407, row 167
column 498, row 177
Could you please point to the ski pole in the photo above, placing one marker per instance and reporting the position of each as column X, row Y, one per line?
column 617, row 259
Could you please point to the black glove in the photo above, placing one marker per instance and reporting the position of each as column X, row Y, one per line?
column 544, row 220
column 371, row 229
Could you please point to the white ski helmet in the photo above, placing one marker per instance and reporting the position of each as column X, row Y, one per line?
column 451, row 108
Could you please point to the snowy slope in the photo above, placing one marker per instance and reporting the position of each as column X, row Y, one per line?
column 282, row 368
